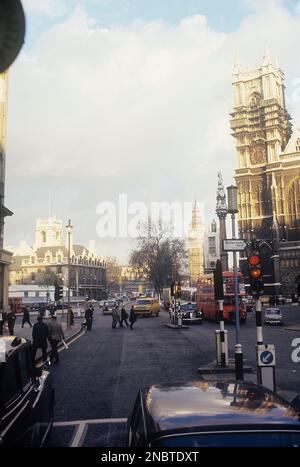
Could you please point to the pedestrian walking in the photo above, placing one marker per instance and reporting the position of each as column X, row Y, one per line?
column 26, row 317
column 89, row 314
column 119, row 316
column 56, row 335
column 114, row 318
column 124, row 316
column 71, row 317
column 40, row 334
column 132, row 317
column 11, row 319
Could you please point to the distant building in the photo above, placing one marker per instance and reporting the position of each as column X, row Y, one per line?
column 196, row 246
column 212, row 247
column 5, row 256
column 48, row 259
column 134, row 280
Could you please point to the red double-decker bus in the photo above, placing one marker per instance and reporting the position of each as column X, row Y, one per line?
column 206, row 297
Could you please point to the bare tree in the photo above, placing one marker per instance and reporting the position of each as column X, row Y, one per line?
column 161, row 258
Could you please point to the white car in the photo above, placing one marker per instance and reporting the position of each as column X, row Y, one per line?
column 273, row 316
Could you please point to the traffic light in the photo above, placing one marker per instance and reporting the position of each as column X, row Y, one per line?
column 178, row 289
column 59, row 292
column 173, row 289
column 255, row 273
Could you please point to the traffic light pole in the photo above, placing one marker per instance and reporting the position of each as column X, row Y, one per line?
column 239, row 366
column 258, row 319
column 222, row 333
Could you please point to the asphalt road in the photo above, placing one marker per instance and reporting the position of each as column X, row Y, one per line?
column 98, row 377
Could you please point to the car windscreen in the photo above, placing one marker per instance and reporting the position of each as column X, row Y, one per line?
column 111, row 303
column 144, row 302
column 232, row 439
column 273, row 312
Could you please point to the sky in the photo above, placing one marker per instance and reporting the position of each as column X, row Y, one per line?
column 132, row 97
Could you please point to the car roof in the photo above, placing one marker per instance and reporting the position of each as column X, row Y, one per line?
column 207, row 405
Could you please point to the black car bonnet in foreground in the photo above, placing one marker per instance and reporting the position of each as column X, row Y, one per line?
column 215, row 404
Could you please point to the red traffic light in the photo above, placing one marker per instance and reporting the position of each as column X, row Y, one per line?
column 254, row 259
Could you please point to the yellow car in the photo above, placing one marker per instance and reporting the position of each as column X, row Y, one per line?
column 147, row 307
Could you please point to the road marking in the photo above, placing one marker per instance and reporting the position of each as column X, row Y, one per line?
column 91, row 422
column 81, row 428
column 79, row 436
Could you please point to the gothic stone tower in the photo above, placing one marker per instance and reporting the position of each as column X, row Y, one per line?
column 196, row 246
column 268, row 172
column 261, row 126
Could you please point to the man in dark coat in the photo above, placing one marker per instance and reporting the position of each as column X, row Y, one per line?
column 2, row 321
column 89, row 313
column 124, row 316
column 26, row 317
column 132, row 317
column 11, row 319
column 40, row 334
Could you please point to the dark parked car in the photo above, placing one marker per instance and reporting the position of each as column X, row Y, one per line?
column 26, row 396
column 191, row 314
column 212, row 414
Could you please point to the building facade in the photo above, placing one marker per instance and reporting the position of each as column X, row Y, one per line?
column 268, row 172
column 5, row 256
column 196, row 246
column 48, row 260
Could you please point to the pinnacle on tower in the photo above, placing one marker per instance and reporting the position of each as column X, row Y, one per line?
column 267, row 58
column 237, row 65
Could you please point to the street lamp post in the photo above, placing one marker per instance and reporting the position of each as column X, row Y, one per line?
column 232, row 209
column 69, row 230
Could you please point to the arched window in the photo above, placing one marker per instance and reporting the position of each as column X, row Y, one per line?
column 298, row 145
column 293, row 203
column 44, row 237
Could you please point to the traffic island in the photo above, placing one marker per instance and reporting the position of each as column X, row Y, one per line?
column 214, row 369
column 174, row 326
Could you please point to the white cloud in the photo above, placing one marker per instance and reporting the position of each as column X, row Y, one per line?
column 51, row 8
column 142, row 109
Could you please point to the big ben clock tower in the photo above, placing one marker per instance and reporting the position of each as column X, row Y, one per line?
column 261, row 126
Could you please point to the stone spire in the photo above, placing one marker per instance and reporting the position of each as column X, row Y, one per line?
column 221, row 208
column 221, row 211
column 237, row 65
column 267, row 58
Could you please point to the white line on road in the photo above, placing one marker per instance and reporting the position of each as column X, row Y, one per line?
column 91, row 422
column 79, row 436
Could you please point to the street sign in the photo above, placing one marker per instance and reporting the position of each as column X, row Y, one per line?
column 234, row 245
column 266, row 355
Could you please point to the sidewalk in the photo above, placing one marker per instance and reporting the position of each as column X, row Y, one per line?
column 26, row 331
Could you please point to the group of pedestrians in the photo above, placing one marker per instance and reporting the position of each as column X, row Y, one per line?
column 121, row 316
column 42, row 333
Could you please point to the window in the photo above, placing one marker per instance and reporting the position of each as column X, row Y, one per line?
column 25, row 294
column 298, row 145
column 44, row 237
column 33, row 276
column 37, row 294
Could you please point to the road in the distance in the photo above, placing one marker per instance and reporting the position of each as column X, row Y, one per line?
column 99, row 375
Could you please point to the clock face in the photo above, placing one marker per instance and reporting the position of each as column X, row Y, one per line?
column 258, row 156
